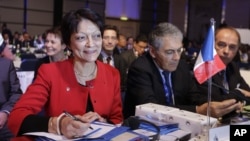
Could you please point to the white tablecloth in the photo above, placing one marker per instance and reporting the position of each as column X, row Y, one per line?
column 25, row 78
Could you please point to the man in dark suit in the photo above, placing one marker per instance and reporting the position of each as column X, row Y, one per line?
column 146, row 82
column 227, row 84
column 121, row 44
column 9, row 92
column 161, row 77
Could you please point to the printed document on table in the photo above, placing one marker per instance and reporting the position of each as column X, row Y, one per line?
column 99, row 129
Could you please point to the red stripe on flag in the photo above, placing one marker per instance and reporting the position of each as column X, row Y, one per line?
column 208, row 69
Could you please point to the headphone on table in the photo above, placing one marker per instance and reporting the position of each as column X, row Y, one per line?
column 134, row 123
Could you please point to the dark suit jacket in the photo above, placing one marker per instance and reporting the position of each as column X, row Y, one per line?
column 9, row 85
column 115, row 57
column 145, row 84
column 126, row 58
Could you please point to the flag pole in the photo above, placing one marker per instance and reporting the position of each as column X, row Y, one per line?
column 210, row 67
column 207, row 64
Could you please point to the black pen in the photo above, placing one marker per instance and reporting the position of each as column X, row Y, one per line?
column 75, row 118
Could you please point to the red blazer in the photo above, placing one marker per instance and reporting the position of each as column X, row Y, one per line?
column 57, row 89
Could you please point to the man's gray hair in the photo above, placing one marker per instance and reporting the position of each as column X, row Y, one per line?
column 162, row 30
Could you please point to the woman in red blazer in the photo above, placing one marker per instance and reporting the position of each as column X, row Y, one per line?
column 82, row 86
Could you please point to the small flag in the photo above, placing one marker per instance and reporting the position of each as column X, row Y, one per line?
column 208, row 62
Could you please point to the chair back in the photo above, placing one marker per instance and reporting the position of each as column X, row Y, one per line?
column 28, row 65
column 27, row 56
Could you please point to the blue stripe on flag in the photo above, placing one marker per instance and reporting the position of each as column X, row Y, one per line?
column 207, row 49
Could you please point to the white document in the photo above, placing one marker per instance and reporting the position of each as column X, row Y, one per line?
column 99, row 129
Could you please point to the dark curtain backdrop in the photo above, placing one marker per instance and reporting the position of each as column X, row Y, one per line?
column 199, row 15
column 153, row 12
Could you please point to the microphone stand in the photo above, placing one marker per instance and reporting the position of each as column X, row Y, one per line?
column 208, row 106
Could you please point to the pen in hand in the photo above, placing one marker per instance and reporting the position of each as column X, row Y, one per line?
column 75, row 118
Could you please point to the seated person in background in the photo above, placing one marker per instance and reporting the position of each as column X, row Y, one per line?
column 54, row 46
column 39, row 42
column 9, row 93
column 130, row 41
column 128, row 56
column 227, row 83
column 27, row 40
column 81, row 85
column 147, row 82
column 121, row 44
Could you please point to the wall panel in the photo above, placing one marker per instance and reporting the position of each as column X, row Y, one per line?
column 128, row 28
column 39, row 15
column 238, row 13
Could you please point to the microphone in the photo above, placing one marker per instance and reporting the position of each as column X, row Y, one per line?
column 236, row 92
column 134, row 123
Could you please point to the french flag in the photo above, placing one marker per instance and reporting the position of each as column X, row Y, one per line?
column 208, row 62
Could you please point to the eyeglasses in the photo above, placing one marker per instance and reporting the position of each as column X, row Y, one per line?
column 222, row 45
column 171, row 52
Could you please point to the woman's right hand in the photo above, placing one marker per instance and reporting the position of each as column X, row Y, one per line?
column 71, row 128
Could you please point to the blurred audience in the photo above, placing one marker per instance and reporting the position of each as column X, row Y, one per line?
column 6, row 30
column 38, row 41
column 130, row 41
column 121, row 45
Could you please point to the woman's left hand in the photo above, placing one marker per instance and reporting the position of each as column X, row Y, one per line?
column 93, row 116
